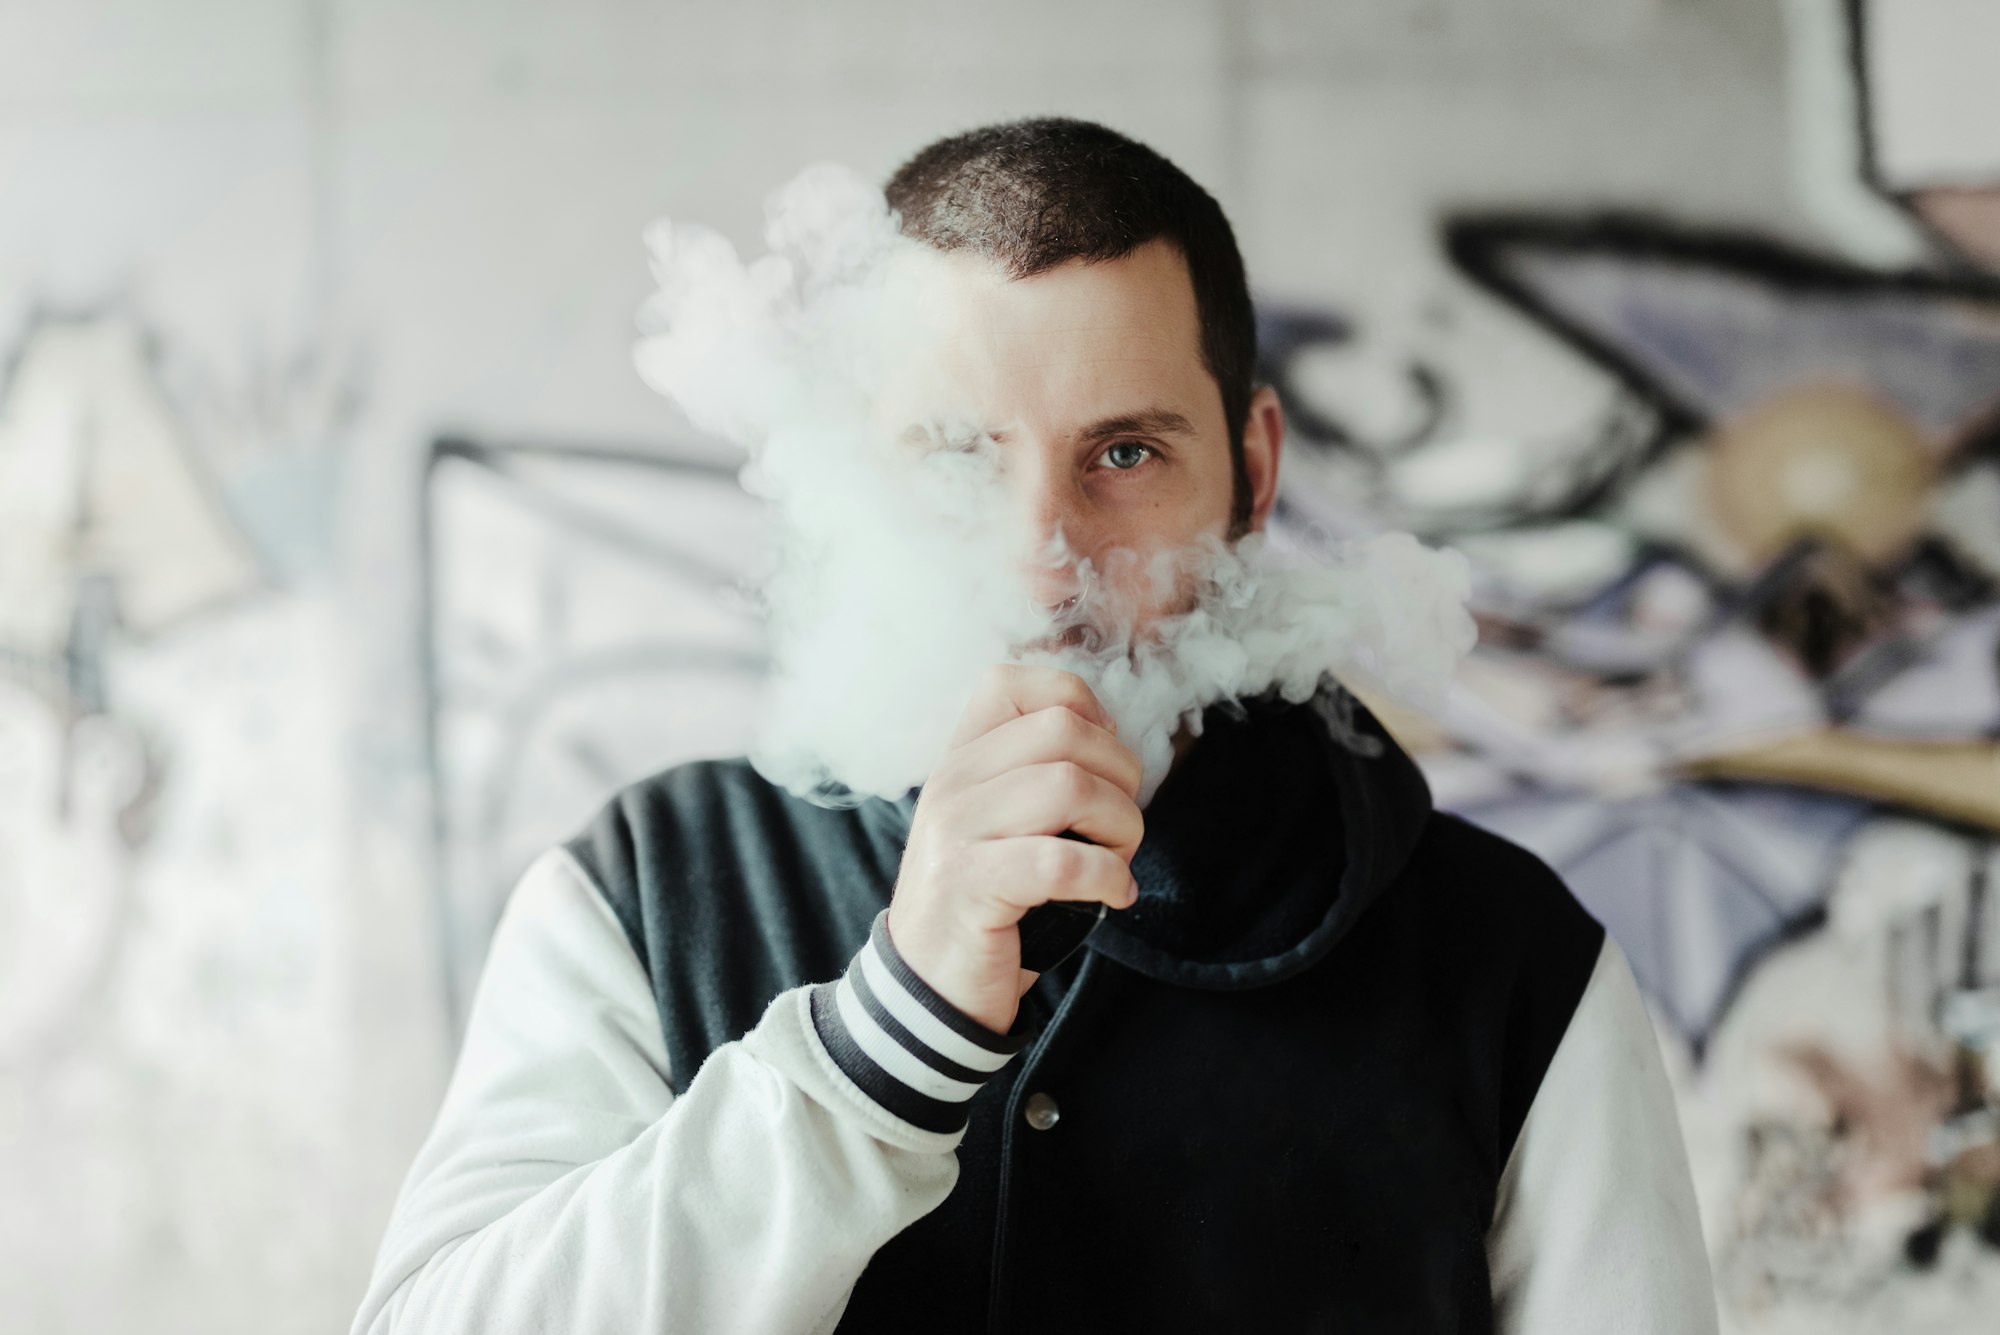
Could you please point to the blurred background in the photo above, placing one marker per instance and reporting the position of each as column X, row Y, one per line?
column 345, row 563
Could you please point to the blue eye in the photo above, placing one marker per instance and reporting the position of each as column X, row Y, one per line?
column 1127, row 455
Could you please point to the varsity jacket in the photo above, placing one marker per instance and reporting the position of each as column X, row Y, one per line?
column 1349, row 1064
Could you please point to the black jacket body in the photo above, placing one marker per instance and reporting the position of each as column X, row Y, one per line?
column 1287, row 1080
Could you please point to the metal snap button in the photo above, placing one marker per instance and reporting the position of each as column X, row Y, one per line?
column 1041, row 1111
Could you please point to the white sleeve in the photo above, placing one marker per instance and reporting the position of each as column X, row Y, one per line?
column 1595, row 1227
column 564, row 1187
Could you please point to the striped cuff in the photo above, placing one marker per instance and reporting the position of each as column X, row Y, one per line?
column 911, row 1051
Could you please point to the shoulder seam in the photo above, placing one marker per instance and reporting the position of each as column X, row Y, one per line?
column 561, row 854
column 1509, row 1171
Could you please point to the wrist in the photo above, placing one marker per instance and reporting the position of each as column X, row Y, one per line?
column 908, row 1048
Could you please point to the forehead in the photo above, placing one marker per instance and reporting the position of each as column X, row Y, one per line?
column 1060, row 348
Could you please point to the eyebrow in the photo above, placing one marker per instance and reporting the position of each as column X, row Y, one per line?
column 1152, row 422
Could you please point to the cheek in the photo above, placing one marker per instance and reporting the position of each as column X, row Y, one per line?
column 1177, row 510
column 1184, row 497
column 1152, row 604
column 1210, row 496
column 1177, row 513
column 1152, row 597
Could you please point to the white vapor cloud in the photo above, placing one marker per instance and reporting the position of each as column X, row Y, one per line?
column 898, row 580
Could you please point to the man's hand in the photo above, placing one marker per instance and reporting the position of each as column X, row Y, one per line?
column 1034, row 755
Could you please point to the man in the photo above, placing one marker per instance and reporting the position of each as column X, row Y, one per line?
column 1333, row 1061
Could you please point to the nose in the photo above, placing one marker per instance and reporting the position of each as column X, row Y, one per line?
column 1052, row 525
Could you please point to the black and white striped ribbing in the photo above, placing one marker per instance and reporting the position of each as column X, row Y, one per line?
column 910, row 1050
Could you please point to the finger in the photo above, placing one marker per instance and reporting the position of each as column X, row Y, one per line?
column 1017, row 874
column 1039, row 738
column 1013, row 689
column 1049, row 799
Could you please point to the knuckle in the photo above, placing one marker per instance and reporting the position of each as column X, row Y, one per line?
column 1073, row 781
column 1058, row 862
column 1063, row 725
column 1074, row 689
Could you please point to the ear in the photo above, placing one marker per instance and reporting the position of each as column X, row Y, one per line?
column 1263, row 442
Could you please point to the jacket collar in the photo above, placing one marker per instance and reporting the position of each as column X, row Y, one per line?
column 1266, row 845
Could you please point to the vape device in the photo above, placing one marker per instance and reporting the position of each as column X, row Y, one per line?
column 1052, row 931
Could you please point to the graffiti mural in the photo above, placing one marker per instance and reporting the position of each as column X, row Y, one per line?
column 170, row 799
column 290, row 691
column 1739, row 679
column 109, row 529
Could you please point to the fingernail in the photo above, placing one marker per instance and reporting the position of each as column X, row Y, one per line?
column 1132, row 895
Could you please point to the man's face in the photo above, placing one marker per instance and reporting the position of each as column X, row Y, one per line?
column 923, row 426
column 1087, row 382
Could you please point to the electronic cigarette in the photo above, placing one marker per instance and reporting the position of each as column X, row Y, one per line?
column 1052, row 931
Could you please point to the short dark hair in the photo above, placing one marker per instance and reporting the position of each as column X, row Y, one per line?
column 1034, row 194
